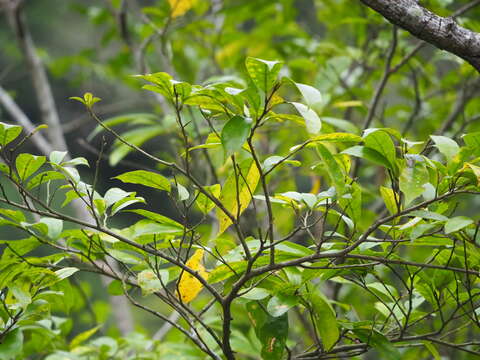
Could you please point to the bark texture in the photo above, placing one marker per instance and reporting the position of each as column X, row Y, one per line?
column 443, row 33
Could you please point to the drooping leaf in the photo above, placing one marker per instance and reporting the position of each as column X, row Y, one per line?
column 271, row 331
column 333, row 168
column 382, row 142
column 188, row 285
column 247, row 184
column 325, row 319
column 448, row 147
column 312, row 121
column 390, row 199
column 234, row 134
column 368, row 154
column 312, row 96
column 457, row 223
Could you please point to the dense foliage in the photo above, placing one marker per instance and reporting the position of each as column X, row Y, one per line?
column 301, row 186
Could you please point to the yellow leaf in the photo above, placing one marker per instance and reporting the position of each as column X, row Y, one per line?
column 351, row 103
column 180, row 7
column 315, row 185
column 247, row 183
column 188, row 285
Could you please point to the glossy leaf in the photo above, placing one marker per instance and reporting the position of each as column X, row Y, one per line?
column 8, row 133
column 235, row 134
column 145, row 178
column 28, row 164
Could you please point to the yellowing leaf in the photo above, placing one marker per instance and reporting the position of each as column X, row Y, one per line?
column 475, row 169
column 247, row 183
column 180, row 7
column 188, row 285
column 344, row 104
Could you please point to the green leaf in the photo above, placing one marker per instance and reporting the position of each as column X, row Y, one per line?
column 182, row 192
column 247, row 183
column 123, row 203
column 382, row 142
column 8, row 133
column 82, row 337
column 341, row 124
column 379, row 342
column 280, row 304
column 146, row 178
column 333, row 168
column 262, row 72
column 157, row 218
column 115, row 194
column 368, row 154
column 66, row 272
column 311, row 95
column 161, row 84
column 448, row 147
column 271, row 331
column 44, row 177
column 27, row 164
column 412, row 180
column 55, row 227
column 472, row 140
column 150, row 283
column 432, row 349
column 203, row 202
column 271, row 161
column 338, row 137
column 235, row 134
column 255, row 294
column 312, row 121
column 457, row 223
column 56, row 157
column 11, row 345
column 88, row 99
column 325, row 319
column 124, row 257
column 424, row 214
